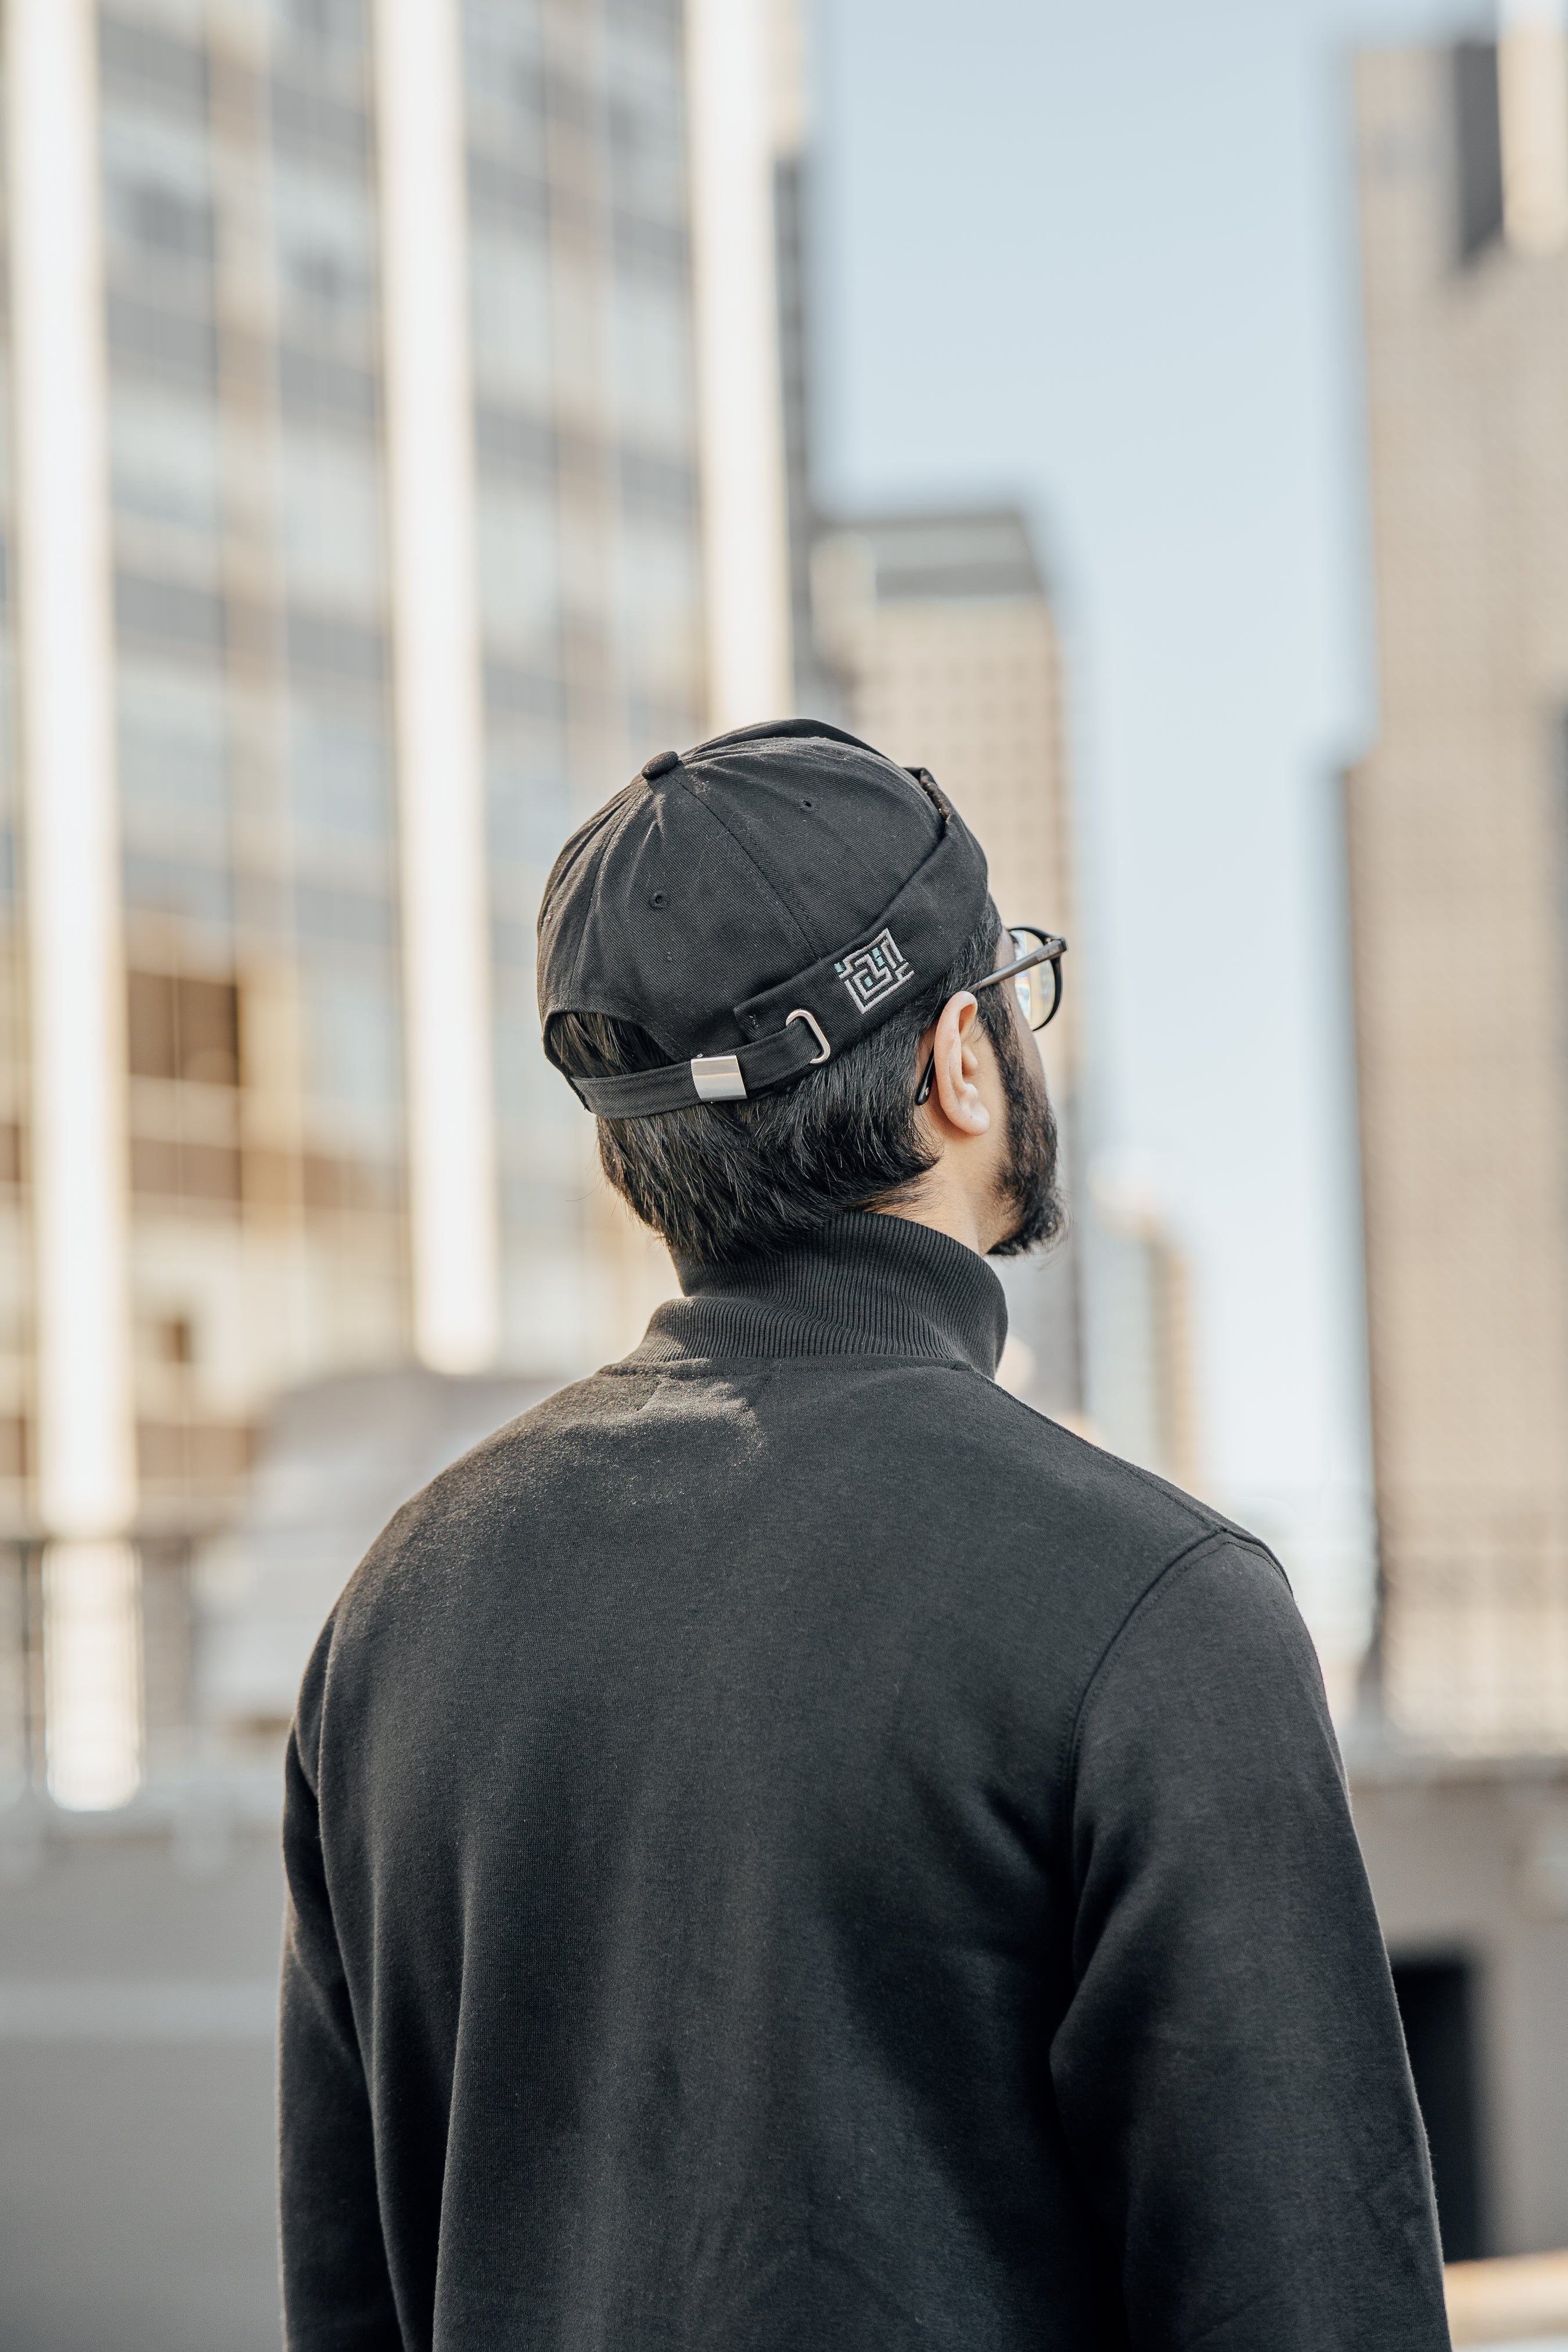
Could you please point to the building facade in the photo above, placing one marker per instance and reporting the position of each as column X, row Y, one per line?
column 1139, row 1383
column 945, row 646
column 1458, row 849
column 349, row 478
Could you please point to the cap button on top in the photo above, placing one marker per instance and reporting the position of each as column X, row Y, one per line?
column 661, row 765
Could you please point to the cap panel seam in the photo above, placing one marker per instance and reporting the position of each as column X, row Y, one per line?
column 605, row 848
column 579, row 834
column 820, row 954
column 680, row 1367
column 761, row 872
column 788, row 730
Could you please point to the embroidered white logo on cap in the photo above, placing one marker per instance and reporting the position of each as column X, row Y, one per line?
column 873, row 972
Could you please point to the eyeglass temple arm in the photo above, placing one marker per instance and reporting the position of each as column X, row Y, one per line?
column 923, row 1092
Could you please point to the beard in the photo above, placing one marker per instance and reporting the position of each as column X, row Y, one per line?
column 1028, row 1182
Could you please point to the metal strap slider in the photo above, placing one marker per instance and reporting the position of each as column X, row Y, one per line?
column 717, row 1077
column 814, row 1025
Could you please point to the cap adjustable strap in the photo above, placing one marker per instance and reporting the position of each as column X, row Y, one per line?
column 766, row 1062
column 834, row 1001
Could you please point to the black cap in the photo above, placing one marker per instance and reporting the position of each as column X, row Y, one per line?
column 757, row 905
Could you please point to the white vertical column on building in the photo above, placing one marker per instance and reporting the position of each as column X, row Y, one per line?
column 744, row 516
column 85, row 1398
column 438, row 705
column 1532, row 90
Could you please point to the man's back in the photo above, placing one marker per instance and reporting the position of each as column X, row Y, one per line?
column 790, row 1850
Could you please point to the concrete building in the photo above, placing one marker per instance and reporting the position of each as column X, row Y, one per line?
column 1469, row 1861
column 1457, row 832
column 940, row 634
column 1139, row 1373
column 1459, row 840
column 349, row 491
column 942, row 630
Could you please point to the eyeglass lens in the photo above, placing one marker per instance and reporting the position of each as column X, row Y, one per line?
column 1037, row 987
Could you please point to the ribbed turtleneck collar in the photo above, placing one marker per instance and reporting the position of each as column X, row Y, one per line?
column 863, row 1285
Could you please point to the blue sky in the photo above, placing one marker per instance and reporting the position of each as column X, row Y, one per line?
column 1102, row 258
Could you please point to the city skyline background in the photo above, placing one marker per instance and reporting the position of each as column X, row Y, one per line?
column 1119, row 283
column 407, row 435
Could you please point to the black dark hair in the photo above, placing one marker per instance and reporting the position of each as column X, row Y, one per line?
column 722, row 1181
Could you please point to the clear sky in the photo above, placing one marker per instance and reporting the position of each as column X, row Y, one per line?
column 1101, row 258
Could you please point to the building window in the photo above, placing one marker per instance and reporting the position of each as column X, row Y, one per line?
column 184, row 1029
column 1437, row 2009
column 163, row 1170
column 138, row 62
column 1478, row 148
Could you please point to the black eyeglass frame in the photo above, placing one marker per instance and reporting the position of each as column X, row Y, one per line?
column 1050, row 951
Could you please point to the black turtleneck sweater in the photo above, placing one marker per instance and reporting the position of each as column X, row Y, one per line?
column 791, row 1851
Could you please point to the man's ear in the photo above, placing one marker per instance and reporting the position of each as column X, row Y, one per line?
column 956, row 1094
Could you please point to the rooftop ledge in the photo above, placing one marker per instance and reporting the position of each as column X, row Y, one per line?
column 1513, row 2298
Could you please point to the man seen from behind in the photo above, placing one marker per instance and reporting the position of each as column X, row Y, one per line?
column 789, row 1850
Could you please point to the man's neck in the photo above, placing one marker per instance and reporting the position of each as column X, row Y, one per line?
column 946, row 1207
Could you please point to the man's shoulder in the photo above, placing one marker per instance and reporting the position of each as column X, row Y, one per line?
column 1024, row 1460
column 1029, row 1460
column 1102, row 1539
column 932, row 1455
column 1110, row 1482
column 497, row 1477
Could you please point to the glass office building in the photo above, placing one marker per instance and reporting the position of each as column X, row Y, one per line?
column 378, row 591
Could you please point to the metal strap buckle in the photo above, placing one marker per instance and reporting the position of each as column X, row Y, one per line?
column 814, row 1025
column 717, row 1077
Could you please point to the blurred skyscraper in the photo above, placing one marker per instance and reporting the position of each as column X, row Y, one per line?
column 941, row 635
column 354, row 549
column 1139, row 1373
column 1457, row 828
column 1458, row 837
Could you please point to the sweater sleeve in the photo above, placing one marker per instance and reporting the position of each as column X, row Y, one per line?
column 1230, row 2073
column 337, row 2290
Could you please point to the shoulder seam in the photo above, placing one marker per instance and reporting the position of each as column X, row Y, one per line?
column 1205, row 1517
column 1154, row 1591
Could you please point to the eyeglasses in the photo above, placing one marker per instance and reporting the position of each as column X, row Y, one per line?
column 1036, row 955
